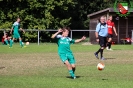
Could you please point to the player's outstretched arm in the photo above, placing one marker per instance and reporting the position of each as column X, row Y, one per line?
column 115, row 31
column 22, row 30
column 11, row 30
column 54, row 35
column 79, row 40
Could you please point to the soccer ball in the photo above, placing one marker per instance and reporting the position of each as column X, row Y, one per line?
column 27, row 43
column 100, row 66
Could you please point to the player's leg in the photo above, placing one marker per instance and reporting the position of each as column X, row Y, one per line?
column 101, row 53
column 69, row 67
column 109, row 43
column 72, row 61
column 103, row 46
column 20, row 41
column 6, row 41
column 73, row 67
column 103, row 42
column 99, row 50
column 11, row 42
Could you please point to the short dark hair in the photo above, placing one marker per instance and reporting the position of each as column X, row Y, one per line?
column 99, row 19
column 66, row 28
column 18, row 17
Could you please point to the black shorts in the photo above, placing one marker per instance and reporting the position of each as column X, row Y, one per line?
column 103, row 41
column 110, row 35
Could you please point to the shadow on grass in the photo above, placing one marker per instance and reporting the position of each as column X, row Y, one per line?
column 2, row 67
column 104, row 79
column 71, row 77
column 117, row 49
column 110, row 58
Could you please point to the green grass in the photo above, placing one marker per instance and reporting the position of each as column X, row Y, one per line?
column 40, row 67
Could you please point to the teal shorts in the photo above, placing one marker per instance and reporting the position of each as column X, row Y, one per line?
column 68, row 57
column 16, row 35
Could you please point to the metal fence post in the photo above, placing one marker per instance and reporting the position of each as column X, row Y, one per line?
column 38, row 37
column 71, row 34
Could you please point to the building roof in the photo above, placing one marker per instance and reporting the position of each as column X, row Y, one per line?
column 104, row 10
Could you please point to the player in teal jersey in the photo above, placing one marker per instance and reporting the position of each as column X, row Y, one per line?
column 64, row 50
column 16, row 35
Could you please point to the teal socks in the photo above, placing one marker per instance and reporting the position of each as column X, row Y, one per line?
column 11, row 42
column 71, row 73
column 21, row 43
column 6, row 42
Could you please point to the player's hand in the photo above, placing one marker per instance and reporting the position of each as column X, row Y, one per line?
column 59, row 30
column 83, row 38
column 116, row 34
column 97, row 40
column 21, row 29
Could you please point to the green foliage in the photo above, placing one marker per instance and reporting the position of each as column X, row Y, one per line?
column 35, row 14
column 30, row 36
column 49, row 14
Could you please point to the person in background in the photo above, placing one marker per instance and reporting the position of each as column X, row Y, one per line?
column 16, row 35
column 6, row 39
column 101, row 36
column 111, row 27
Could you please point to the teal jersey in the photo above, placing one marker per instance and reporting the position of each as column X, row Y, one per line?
column 64, row 44
column 16, row 27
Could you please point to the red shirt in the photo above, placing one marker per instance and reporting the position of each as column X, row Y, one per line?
column 3, row 38
column 110, row 26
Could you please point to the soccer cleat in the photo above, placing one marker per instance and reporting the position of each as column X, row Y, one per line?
column 23, row 46
column 74, row 77
column 102, row 58
column 10, row 47
column 96, row 55
column 107, row 48
column 110, row 49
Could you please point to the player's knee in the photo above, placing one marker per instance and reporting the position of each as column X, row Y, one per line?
column 67, row 63
column 73, row 66
column 110, row 39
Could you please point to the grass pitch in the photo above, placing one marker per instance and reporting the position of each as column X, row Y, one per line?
column 40, row 67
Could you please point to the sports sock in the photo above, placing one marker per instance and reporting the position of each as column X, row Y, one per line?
column 98, row 51
column 109, row 45
column 6, row 42
column 21, row 43
column 73, row 68
column 101, row 52
column 11, row 42
column 71, row 73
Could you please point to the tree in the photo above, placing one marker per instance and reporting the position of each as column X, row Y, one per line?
column 35, row 14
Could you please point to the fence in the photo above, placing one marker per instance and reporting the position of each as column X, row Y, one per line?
column 86, row 32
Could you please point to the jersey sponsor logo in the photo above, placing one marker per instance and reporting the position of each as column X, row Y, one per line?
column 109, row 26
column 64, row 42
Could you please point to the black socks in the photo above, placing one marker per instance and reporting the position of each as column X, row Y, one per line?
column 101, row 52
